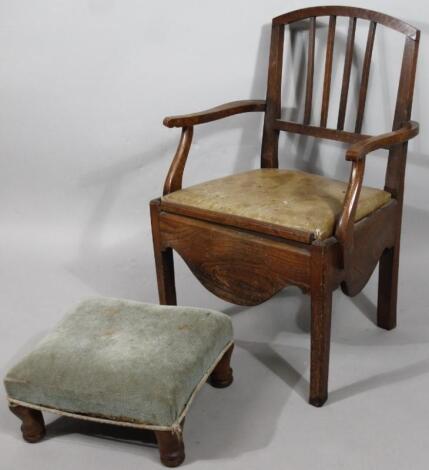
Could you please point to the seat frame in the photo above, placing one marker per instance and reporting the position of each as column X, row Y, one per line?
column 247, row 261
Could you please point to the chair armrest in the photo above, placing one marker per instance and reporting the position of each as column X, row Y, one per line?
column 358, row 150
column 173, row 182
column 219, row 112
column 357, row 153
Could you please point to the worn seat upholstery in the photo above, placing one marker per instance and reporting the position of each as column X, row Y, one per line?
column 300, row 201
column 122, row 360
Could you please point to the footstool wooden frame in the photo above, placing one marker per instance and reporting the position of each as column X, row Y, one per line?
column 169, row 438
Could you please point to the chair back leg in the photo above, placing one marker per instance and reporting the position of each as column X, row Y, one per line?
column 388, row 288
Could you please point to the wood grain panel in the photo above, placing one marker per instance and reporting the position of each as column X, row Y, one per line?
column 236, row 266
column 371, row 237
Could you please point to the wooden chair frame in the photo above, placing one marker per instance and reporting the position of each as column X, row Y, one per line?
column 246, row 261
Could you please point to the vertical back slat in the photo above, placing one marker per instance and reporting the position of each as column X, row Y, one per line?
column 270, row 138
column 365, row 76
column 328, row 71
column 348, row 60
column 310, row 71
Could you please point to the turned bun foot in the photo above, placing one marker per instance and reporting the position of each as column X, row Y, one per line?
column 33, row 426
column 171, row 448
column 221, row 376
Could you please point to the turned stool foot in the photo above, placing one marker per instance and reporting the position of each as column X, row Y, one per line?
column 221, row 376
column 33, row 425
column 171, row 448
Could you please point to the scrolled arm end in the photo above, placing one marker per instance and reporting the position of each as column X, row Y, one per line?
column 360, row 149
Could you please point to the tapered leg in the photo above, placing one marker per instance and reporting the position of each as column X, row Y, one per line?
column 321, row 306
column 163, row 261
column 171, row 448
column 33, row 425
column 221, row 375
column 388, row 288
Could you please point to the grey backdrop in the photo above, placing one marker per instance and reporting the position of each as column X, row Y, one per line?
column 84, row 86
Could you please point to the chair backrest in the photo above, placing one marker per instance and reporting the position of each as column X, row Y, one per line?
column 273, row 122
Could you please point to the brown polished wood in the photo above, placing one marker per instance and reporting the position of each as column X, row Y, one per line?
column 319, row 132
column 237, row 221
column 362, row 13
column 328, row 70
column 213, row 114
column 173, row 182
column 246, row 261
column 164, row 262
column 171, row 447
column 348, row 61
column 239, row 266
column 33, row 425
column 221, row 375
column 361, row 148
column 365, row 76
column 310, row 71
column 270, row 136
column 321, row 307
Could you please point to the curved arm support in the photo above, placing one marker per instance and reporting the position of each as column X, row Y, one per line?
column 344, row 231
column 173, row 182
column 213, row 114
column 357, row 154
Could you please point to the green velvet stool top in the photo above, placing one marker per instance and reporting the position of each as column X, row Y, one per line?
column 125, row 362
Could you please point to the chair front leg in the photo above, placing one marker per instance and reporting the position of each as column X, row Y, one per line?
column 163, row 261
column 321, row 306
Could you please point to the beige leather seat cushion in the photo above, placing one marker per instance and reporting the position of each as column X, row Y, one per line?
column 294, row 199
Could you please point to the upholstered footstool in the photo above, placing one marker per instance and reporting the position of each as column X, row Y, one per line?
column 125, row 363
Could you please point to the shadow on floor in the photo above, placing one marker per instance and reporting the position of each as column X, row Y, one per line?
column 273, row 360
column 383, row 379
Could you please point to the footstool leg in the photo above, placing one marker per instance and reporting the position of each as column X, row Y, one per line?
column 171, row 448
column 33, row 425
column 221, row 375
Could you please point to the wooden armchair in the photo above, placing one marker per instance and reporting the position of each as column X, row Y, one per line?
column 247, row 236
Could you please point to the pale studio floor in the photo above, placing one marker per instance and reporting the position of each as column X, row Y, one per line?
column 377, row 413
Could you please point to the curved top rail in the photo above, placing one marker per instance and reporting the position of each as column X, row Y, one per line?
column 338, row 10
